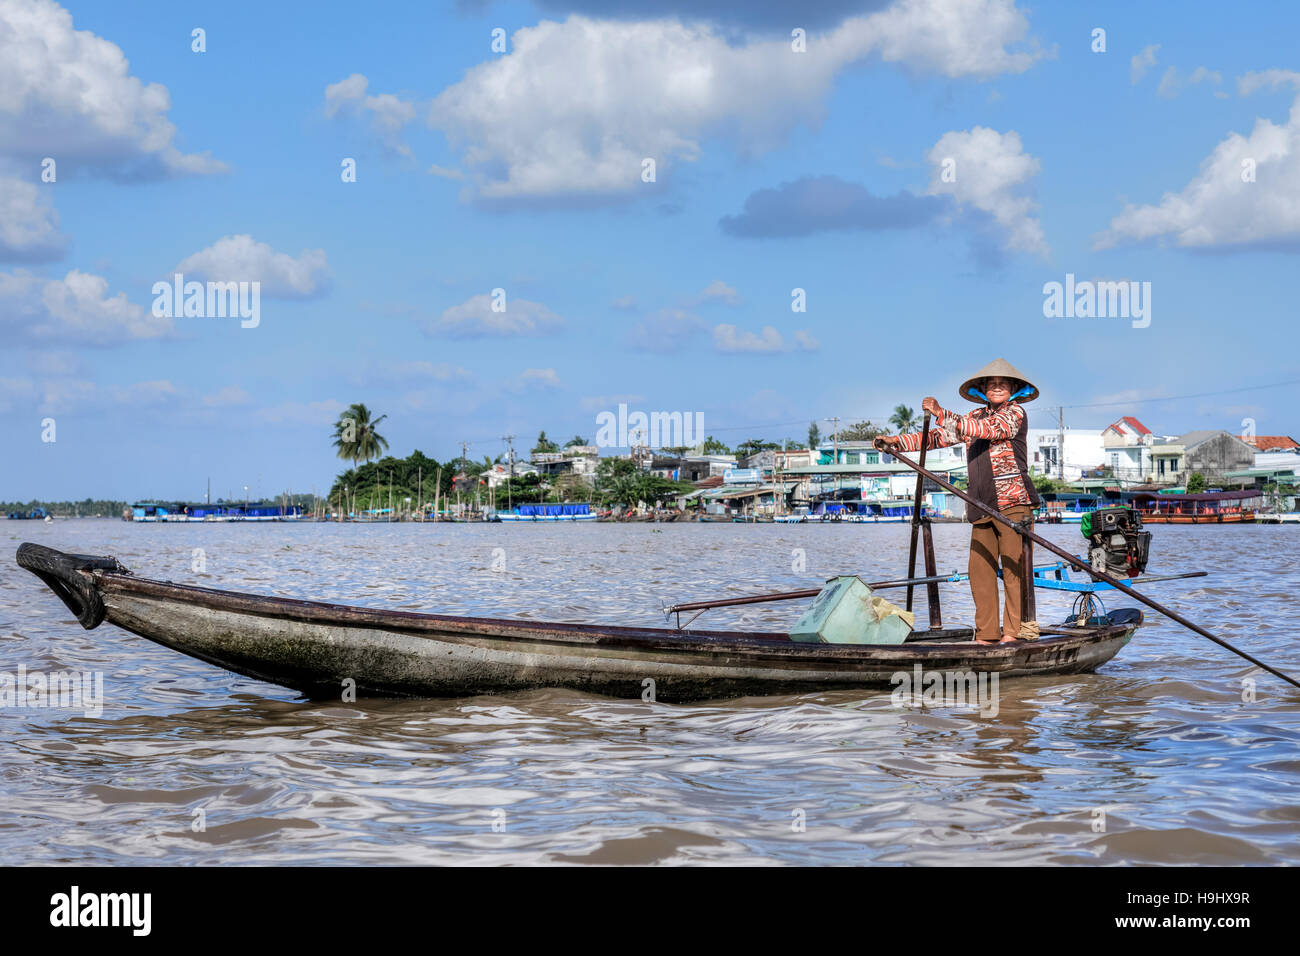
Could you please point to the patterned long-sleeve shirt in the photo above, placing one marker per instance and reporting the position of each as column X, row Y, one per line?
column 998, row 426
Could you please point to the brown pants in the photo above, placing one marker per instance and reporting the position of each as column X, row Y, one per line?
column 990, row 541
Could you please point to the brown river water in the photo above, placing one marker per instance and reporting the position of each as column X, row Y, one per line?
column 1159, row 758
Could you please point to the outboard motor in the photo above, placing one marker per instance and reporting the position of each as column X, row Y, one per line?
column 1116, row 542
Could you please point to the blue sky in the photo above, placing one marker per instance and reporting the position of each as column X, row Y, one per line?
column 477, row 170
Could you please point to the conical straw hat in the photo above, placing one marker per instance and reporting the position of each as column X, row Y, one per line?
column 1004, row 369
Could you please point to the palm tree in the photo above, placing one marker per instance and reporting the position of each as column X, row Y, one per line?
column 355, row 436
column 904, row 419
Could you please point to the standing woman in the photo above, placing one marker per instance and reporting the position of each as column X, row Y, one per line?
column 998, row 476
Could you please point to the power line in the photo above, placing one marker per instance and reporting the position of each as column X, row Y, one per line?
column 1177, row 398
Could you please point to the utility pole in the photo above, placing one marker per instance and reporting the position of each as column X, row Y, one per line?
column 463, row 446
column 510, row 473
column 1060, row 448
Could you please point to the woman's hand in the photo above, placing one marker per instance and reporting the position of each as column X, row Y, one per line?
column 889, row 443
column 930, row 406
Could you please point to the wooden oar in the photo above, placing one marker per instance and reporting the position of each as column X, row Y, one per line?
column 916, row 509
column 1089, row 569
column 805, row 593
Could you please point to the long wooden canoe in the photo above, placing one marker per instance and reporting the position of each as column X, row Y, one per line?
column 314, row 648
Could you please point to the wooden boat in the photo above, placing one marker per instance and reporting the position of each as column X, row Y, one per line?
column 314, row 647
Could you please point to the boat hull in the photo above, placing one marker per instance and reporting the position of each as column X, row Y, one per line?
column 323, row 650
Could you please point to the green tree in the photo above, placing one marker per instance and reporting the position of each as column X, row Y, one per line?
column 814, row 435
column 712, row 446
column 544, row 445
column 355, row 437
column 904, row 419
column 575, row 440
column 862, row 431
column 1195, row 483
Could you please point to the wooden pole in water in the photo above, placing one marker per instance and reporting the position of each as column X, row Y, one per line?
column 1084, row 566
column 916, row 510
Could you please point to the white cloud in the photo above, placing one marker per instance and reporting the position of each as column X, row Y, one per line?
column 474, row 317
column 73, row 311
column 991, row 170
column 445, row 173
column 141, row 394
column 67, row 94
column 728, row 338
column 388, row 114
column 718, row 291
column 63, row 395
column 242, row 259
column 1267, row 80
column 1173, row 83
column 1218, row 209
column 1139, row 65
column 29, row 226
column 576, row 106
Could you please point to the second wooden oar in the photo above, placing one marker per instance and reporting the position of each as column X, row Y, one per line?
column 1086, row 567
column 805, row 593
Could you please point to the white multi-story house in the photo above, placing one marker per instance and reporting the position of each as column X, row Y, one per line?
column 1128, row 447
column 1084, row 449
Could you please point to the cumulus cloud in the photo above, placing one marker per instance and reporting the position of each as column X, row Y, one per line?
column 29, row 226
column 728, row 338
column 1219, row 209
column 444, row 173
column 66, row 395
column 1267, row 80
column 575, row 107
column 718, row 291
column 1173, row 82
column 68, row 94
column 753, row 15
column 73, row 311
column 991, row 173
column 242, row 259
column 1139, row 65
column 826, row 203
column 475, row 317
column 388, row 114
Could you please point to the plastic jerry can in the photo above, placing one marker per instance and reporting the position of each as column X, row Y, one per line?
column 846, row 612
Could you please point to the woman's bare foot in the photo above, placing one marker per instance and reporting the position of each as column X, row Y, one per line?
column 1008, row 639
column 987, row 643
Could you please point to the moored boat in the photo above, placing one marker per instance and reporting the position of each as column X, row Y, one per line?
column 314, row 647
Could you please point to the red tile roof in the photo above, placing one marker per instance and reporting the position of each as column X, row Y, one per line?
column 1136, row 425
column 713, row 481
column 1273, row 442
